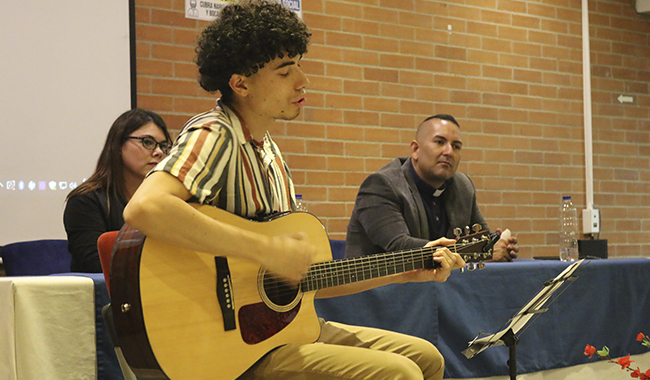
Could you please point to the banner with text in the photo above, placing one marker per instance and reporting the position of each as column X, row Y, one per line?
column 207, row 10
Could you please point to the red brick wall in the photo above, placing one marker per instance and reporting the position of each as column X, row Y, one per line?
column 509, row 71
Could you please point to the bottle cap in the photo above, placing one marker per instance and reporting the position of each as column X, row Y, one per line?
column 564, row 197
column 298, row 196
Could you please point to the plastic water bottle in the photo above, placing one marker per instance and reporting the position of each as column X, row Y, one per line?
column 568, row 230
column 300, row 205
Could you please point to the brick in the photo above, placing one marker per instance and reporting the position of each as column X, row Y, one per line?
column 339, row 101
column 343, row 39
column 171, row 18
column 360, row 57
column 396, row 31
column 416, row 19
column 327, row 84
column 396, row 60
column 171, row 52
column 360, row 149
column 345, row 70
column 381, row 75
column 383, row 15
column 343, row 132
column 324, row 147
column 510, row 33
column 361, row 118
column 155, row 102
column 397, row 90
column 341, row 163
column 326, row 178
column 380, row 104
column 343, row 8
column 322, row 21
column 510, row 70
column 380, row 134
column 175, row 87
column 360, row 26
column 407, row 5
column 155, row 67
column 380, row 44
column 146, row 32
column 416, row 107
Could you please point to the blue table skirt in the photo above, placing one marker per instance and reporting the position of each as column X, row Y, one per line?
column 108, row 368
column 608, row 304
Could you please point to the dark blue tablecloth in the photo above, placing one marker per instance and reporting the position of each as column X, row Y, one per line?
column 608, row 304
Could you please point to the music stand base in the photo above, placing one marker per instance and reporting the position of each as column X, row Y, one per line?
column 511, row 341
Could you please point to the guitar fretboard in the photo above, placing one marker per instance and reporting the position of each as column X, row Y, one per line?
column 347, row 271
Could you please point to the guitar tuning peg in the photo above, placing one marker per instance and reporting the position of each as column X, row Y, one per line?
column 457, row 232
column 476, row 227
column 466, row 230
column 471, row 266
column 481, row 265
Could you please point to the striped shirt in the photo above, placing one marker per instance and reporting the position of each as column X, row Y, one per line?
column 220, row 164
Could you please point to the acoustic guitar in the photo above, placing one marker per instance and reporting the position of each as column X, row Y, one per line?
column 181, row 314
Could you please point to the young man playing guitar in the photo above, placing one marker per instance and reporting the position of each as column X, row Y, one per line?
column 225, row 158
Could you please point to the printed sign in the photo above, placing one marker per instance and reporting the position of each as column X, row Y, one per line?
column 207, row 10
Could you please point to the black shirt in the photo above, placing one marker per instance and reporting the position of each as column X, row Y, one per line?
column 433, row 204
column 85, row 218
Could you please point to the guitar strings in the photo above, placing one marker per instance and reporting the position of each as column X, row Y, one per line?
column 344, row 271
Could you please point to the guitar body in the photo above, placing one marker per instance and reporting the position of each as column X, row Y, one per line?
column 168, row 317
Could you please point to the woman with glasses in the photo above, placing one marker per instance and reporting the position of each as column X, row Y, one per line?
column 137, row 141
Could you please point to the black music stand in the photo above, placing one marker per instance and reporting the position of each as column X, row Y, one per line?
column 508, row 336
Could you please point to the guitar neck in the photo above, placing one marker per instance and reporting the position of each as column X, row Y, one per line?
column 347, row 271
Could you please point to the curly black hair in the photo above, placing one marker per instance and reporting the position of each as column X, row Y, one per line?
column 244, row 38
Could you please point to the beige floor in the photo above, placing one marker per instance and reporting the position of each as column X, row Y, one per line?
column 598, row 370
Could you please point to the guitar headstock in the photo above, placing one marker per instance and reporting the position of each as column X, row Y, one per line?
column 476, row 247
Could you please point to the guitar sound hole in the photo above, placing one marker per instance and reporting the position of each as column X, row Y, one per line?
column 279, row 293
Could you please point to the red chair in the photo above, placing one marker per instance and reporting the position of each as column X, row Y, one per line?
column 105, row 249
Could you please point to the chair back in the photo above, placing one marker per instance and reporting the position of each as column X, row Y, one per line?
column 105, row 249
column 36, row 257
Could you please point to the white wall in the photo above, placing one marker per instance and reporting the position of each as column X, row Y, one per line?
column 64, row 78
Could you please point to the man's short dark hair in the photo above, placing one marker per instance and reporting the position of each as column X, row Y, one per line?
column 244, row 38
column 442, row 116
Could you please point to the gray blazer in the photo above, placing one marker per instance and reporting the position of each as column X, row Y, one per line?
column 389, row 215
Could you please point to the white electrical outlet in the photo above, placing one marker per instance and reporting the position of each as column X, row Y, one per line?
column 590, row 221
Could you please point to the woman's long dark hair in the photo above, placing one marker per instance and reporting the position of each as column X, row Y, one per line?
column 109, row 173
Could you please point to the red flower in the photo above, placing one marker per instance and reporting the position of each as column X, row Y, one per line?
column 625, row 362
column 590, row 350
column 640, row 337
column 636, row 373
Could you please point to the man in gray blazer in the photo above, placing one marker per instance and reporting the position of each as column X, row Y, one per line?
column 413, row 201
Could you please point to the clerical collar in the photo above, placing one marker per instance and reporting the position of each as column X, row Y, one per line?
column 424, row 187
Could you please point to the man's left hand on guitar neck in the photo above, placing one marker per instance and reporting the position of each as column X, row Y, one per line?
column 447, row 259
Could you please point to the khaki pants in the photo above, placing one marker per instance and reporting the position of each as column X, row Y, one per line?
column 352, row 352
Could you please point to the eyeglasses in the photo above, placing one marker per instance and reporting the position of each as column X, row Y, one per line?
column 150, row 143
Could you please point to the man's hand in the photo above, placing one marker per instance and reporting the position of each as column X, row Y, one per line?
column 290, row 256
column 448, row 261
column 505, row 249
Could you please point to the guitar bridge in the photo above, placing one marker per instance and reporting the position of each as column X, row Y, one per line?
column 224, row 293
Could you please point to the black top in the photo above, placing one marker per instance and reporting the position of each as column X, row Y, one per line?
column 85, row 218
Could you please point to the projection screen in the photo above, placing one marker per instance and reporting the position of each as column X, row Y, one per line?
column 65, row 75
